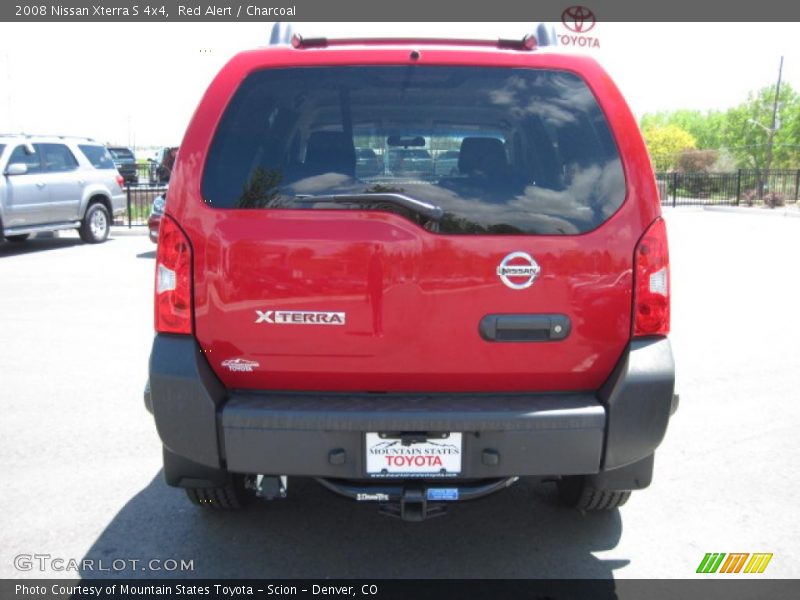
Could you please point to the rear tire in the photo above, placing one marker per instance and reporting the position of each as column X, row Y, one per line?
column 575, row 492
column 96, row 224
column 18, row 238
column 232, row 496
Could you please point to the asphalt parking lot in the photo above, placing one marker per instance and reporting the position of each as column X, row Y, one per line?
column 81, row 458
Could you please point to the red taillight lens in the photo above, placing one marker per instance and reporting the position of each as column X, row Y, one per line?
column 120, row 181
column 173, row 279
column 651, row 283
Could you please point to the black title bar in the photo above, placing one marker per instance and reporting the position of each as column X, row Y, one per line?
column 388, row 11
column 709, row 588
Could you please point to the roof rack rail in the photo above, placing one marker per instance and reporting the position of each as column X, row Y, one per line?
column 48, row 135
column 529, row 42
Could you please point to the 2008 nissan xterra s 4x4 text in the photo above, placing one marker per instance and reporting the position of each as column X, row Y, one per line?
column 403, row 334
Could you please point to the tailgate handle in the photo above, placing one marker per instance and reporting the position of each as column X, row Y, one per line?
column 524, row 328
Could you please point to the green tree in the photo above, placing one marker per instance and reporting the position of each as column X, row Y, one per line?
column 705, row 127
column 747, row 141
column 665, row 144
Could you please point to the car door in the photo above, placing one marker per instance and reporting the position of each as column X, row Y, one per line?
column 64, row 181
column 328, row 284
column 26, row 195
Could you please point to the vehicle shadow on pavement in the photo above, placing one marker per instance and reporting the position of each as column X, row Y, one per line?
column 38, row 245
column 517, row 533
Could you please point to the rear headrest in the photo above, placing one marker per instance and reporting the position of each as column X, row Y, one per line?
column 330, row 152
column 482, row 155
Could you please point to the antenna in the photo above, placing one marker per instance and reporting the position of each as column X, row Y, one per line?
column 546, row 35
column 281, row 34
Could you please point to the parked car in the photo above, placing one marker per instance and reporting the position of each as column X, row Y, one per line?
column 412, row 344
column 125, row 162
column 446, row 163
column 50, row 183
column 154, row 219
column 161, row 166
column 368, row 163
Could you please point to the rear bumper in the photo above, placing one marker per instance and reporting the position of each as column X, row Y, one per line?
column 119, row 204
column 321, row 435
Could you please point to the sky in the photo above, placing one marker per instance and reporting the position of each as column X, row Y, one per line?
column 138, row 84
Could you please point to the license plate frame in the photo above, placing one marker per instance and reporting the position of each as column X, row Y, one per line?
column 418, row 455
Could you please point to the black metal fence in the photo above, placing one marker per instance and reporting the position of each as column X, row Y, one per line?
column 744, row 187
column 141, row 189
column 140, row 200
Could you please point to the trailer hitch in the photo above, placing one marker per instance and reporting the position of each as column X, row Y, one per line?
column 413, row 507
column 414, row 500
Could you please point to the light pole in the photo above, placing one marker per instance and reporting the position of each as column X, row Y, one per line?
column 776, row 125
column 770, row 131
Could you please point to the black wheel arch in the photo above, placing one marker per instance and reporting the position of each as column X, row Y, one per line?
column 99, row 199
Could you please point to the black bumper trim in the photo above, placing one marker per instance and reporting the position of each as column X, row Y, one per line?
column 638, row 398
column 185, row 395
column 296, row 433
column 412, row 412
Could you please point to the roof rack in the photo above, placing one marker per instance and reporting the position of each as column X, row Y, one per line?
column 47, row 135
column 529, row 42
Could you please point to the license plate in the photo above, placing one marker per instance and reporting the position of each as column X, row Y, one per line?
column 430, row 457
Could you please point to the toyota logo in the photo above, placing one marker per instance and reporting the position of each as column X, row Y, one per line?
column 518, row 270
column 578, row 19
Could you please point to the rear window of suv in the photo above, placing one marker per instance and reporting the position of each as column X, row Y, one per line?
column 121, row 153
column 535, row 152
column 97, row 155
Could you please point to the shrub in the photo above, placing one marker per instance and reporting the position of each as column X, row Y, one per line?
column 697, row 161
column 774, row 199
column 750, row 196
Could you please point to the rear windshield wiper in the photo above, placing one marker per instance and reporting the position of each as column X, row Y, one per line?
column 431, row 211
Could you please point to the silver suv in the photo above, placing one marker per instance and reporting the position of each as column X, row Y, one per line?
column 50, row 183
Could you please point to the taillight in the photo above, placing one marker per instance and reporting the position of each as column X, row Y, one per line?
column 120, row 181
column 173, row 280
column 651, row 282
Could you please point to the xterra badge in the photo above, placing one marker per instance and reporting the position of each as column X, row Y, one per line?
column 518, row 270
column 299, row 317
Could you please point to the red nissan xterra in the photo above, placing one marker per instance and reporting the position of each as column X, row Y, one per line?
column 410, row 335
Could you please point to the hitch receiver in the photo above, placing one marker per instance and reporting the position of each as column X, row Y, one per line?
column 413, row 507
column 271, row 487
